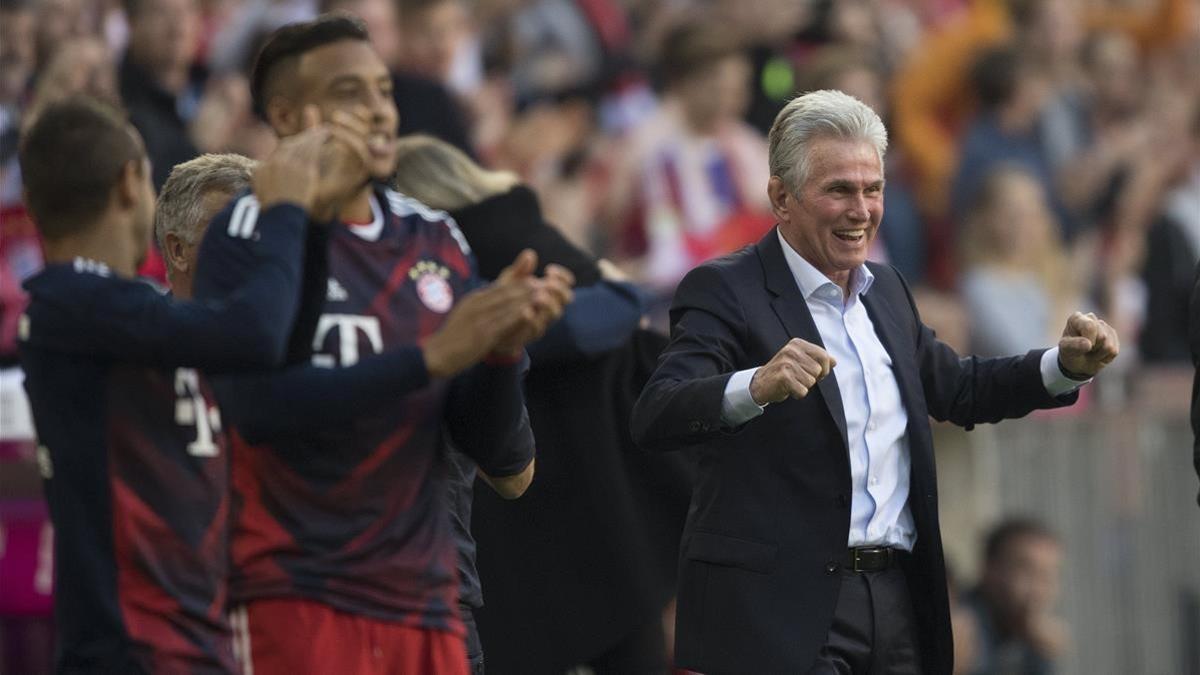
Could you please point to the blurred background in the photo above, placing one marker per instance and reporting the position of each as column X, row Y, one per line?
column 1044, row 157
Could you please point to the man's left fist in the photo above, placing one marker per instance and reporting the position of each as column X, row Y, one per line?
column 1087, row 345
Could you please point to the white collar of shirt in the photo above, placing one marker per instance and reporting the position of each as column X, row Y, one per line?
column 372, row 230
column 811, row 281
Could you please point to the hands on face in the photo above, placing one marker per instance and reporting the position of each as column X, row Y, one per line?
column 319, row 168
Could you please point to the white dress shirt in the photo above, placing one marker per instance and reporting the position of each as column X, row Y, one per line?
column 876, row 420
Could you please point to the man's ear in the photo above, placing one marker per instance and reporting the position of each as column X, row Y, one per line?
column 174, row 251
column 778, row 193
column 284, row 116
column 129, row 183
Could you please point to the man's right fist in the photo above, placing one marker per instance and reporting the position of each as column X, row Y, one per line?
column 793, row 371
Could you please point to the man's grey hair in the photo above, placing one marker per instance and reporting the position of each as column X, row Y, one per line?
column 826, row 113
column 180, row 206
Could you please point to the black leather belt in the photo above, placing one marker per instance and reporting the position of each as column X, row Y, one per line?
column 873, row 558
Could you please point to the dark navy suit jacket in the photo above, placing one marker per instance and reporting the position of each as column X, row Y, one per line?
column 770, row 512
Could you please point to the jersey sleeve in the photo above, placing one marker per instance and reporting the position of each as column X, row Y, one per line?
column 486, row 418
column 244, row 328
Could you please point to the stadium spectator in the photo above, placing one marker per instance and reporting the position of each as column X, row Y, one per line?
column 439, row 41
column 1012, row 93
column 159, row 85
column 1014, row 604
column 931, row 90
column 687, row 185
column 1016, row 278
column 425, row 105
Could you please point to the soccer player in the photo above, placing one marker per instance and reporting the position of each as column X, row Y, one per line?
column 130, row 442
column 343, row 557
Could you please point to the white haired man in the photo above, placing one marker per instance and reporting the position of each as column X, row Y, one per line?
column 812, row 542
column 194, row 193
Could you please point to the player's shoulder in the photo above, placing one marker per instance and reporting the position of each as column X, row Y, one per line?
column 238, row 219
column 67, row 280
column 431, row 221
column 63, row 296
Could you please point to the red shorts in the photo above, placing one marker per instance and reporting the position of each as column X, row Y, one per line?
column 293, row 637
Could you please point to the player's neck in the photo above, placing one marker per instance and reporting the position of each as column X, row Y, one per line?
column 358, row 210
column 96, row 243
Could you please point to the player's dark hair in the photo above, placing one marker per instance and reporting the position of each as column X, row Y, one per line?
column 292, row 41
column 71, row 157
column 1003, row 535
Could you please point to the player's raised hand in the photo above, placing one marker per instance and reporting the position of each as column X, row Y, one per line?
column 552, row 293
column 1088, row 344
column 290, row 173
column 475, row 325
column 792, row 372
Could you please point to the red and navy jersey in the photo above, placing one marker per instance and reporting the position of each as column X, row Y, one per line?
column 339, row 481
column 133, row 452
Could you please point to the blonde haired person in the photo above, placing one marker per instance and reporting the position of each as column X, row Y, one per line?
column 584, row 375
column 1017, row 278
column 493, row 209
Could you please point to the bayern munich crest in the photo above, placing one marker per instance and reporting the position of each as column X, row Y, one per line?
column 432, row 288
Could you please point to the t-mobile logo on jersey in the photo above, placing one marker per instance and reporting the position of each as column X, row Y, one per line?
column 192, row 409
column 348, row 327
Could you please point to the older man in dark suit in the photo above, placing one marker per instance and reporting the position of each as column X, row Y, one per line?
column 812, row 543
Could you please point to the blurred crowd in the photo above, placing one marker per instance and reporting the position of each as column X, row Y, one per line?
column 1044, row 154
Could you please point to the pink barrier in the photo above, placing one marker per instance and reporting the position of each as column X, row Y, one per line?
column 26, row 558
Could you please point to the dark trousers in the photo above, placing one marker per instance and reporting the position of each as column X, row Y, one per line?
column 642, row 652
column 874, row 630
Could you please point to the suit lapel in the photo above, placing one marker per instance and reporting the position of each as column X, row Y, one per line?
column 792, row 310
column 887, row 328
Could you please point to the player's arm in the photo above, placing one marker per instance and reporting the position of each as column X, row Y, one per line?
column 514, row 485
column 130, row 320
column 486, row 404
column 304, row 398
column 486, row 419
column 314, row 285
column 600, row 318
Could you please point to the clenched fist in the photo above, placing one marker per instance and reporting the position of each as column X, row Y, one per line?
column 1087, row 345
column 793, row 371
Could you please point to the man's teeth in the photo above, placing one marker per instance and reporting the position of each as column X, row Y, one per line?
column 850, row 235
column 377, row 142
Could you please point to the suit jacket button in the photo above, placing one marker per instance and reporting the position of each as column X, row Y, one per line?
column 831, row 568
column 843, row 500
column 695, row 425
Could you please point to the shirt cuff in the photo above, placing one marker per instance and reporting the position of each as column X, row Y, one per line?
column 738, row 406
column 1056, row 383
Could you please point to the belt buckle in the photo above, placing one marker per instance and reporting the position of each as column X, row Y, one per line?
column 873, row 551
column 857, row 560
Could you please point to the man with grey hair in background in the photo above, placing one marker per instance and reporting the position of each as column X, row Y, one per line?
column 195, row 192
column 812, row 543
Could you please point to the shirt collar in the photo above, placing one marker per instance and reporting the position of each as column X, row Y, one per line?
column 811, row 281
